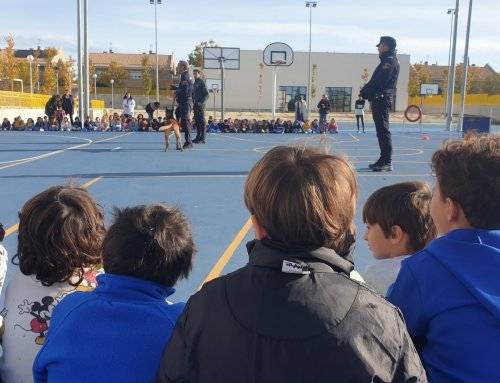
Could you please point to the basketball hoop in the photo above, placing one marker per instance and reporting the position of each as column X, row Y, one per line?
column 279, row 62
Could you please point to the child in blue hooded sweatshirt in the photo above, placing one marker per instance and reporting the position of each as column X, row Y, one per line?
column 449, row 292
column 117, row 332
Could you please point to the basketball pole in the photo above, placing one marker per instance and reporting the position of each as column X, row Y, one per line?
column 80, row 63
column 221, row 61
column 274, row 92
column 464, row 71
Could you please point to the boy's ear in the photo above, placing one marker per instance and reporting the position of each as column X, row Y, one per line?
column 455, row 214
column 397, row 234
column 260, row 232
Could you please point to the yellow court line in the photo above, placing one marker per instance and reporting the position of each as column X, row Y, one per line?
column 86, row 185
column 226, row 256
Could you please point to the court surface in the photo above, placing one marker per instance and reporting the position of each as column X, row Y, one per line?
column 125, row 169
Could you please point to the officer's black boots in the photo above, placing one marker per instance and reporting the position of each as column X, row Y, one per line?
column 387, row 167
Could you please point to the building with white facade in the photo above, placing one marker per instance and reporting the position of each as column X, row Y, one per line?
column 339, row 75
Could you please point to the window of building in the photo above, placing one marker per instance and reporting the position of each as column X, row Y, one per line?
column 290, row 94
column 135, row 74
column 340, row 98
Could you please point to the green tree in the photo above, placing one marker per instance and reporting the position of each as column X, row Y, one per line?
column 195, row 58
column 147, row 79
column 116, row 72
column 9, row 66
column 419, row 74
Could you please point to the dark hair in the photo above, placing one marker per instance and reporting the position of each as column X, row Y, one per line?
column 156, row 104
column 125, row 95
column 407, row 205
column 468, row 172
column 60, row 234
column 149, row 242
column 304, row 198
column 2, row 232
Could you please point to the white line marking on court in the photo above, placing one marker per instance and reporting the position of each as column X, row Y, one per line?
column 117, row 148
column 50, row 154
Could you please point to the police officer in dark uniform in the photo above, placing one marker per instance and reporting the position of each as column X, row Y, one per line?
column 183, row 96
column 200, row 96
column 380, row 92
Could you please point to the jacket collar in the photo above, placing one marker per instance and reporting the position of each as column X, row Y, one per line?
column 132, row 288
column 387, row 54
column 267, row 253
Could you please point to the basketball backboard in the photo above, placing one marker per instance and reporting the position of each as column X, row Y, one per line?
column 213, row 84
column 278, row 54
column 429, row 89
column 212, row 57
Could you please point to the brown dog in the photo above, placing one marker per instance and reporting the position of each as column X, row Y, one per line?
column 169, row 127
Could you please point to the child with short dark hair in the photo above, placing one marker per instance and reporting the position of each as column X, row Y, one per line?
column 117, row 332
column 449, row 292
column 58, row 252
column 292, row 314
column 398, row 224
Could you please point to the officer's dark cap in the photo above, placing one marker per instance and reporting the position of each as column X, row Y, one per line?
column 389, row 41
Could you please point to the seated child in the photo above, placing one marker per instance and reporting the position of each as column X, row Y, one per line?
column 6, row 124
column 306, row 127
column 59, row 243
column 59, row 115
column 30, row 124
column 3, row 258
column 398, row 224
column 449, row 292
column 66, row 124
column 315, row 126
column 292, row 314
column 118, row 332
column 332, row 126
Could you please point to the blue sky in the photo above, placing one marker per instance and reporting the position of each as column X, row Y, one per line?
column 421, row 27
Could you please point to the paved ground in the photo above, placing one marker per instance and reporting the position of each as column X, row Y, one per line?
column 122, row 169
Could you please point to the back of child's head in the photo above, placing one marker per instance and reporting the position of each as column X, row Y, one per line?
column 468, row 172
column 149, row 242
column 304, row 197
column 406, row 205
column 60, row 234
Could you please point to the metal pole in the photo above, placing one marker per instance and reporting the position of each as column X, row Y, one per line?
column 309, row 64
column 31, row 79
column 80, row 63
column 86, row 57
column 464, row 70
column 57, row 81
column 449, row 60
column 112, row 96
column 274, row 92
column 221, row 60
column 451, row 88
column 156, row 42
column 95, row 88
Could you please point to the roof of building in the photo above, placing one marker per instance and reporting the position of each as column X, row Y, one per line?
column 23, row 53
column 130, row 60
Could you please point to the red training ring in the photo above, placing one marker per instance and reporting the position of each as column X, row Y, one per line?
column 419, row 113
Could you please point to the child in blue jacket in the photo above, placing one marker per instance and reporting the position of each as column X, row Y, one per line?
column 117, row 332
column 449, row 292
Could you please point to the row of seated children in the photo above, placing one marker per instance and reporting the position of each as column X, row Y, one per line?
column 293, row 308
column 277, row 126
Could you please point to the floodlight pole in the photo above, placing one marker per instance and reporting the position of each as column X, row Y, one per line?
column 464, row 70
column 30, row 59
column 451, row 88
column 86, row 84
column 310, row 5
column 221, row 61
column 156, row 2
column 80, row 63
column 452, row 13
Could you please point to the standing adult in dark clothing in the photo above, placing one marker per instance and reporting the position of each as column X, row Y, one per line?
column 359, row 106
column 380, row 92
column 183, row 96
column 200, row 96
column 324, row 109
column 68, row 105
column 151, row 108
column 51, row 105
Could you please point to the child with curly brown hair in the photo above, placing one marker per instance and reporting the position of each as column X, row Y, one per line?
column 59, row 243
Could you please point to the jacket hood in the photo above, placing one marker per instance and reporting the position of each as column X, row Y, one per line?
column 472, row 256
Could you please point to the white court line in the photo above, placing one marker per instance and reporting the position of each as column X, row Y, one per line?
column 50, row 154
column 117, row 148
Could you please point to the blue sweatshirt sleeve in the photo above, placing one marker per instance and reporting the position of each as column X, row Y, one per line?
column 405, row 293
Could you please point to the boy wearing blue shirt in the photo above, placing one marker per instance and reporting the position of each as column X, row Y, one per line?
column 449, row 292
column 117, row 332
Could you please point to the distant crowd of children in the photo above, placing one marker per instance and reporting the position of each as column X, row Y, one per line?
column 91, row 303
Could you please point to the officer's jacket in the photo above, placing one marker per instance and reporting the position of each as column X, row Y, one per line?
column 185, row 89
column 384, row 79
column 200, row 92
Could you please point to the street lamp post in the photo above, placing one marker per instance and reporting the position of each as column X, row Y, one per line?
column 112, row 82
column 451, row 12
column 156, row 2
column 95, row 84
column 30, row 59
column 464, row 70
column 310, row 5
column 38, row 78
column 451, row 87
